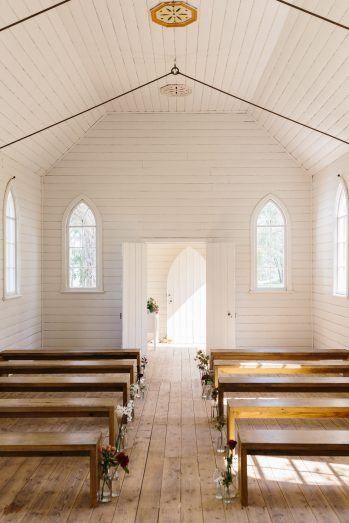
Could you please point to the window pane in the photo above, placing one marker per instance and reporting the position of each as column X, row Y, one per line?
column 75, row 236
column 82, row 248
column 341, row 249
column 82, row 215
column 10, row 246
column 10, row 230
column 10, row 256
column 10, row 206
column 270, row 257
column 10, row 280
column 271, row 215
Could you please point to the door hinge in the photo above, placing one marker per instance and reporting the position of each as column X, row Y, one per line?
column 120, row 315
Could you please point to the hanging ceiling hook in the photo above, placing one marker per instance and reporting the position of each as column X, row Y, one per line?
column 175, row 69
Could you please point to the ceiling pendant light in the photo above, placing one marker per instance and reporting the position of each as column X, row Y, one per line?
column 173, row 14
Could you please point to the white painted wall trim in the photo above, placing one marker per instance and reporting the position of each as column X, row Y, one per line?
column 288, row 246
column 65, row 247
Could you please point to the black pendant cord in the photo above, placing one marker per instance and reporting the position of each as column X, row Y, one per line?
column 175, row 71
column 270, row 111
column 34, row 15
column 311, row 13
column 85, row 110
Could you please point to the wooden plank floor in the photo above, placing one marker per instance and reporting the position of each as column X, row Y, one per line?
column 172, row 460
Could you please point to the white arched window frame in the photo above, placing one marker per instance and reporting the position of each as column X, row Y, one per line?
column 341, row 241
column 66, row 244
column 11, row 244
column 287, row 271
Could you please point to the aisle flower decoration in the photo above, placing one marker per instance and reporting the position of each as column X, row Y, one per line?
column 110, row 459
column 219, row 423
column 229, row 476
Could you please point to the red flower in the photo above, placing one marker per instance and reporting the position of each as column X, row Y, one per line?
column 123, row 460
column 232, row 444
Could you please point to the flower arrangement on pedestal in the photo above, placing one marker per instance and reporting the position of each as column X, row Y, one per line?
column 152, row 306
column 110, row 461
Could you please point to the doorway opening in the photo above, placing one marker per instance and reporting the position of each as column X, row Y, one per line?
column 176, row 279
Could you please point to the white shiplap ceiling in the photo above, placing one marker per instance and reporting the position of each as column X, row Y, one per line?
column 87, row 51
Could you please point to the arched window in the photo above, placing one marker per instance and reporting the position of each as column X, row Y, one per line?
column 341, row 242
column 270, row 256
column 11, row 273
column 82, row 264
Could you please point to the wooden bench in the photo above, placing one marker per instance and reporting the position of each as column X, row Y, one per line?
column 240, row 408
column 116, row 383
column 221, row 367
column 55, row 444
column 312, row 384
column 287, row 443
column 62, row 408
column 69, row 367
column 71, row 354
column 278, row 354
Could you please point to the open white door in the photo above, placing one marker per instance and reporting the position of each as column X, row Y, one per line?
column 134, row 296
column 186, row 299
column 220, row 295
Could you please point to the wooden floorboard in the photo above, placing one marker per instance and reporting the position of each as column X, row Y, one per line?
column 172, row 458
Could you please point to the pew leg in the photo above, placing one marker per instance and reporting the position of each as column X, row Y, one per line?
column 112, row 426
column 94, row 477
column 220, row 401
column 243, row 475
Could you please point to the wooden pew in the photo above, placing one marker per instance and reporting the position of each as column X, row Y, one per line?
column 223, row 367
column 55, row 444
column 62, row 408
column 71, row 354
column 70, row 367
column 252, row 408
column 312, row 384
column 287, row 443
column 278, row 354
column 116, row 383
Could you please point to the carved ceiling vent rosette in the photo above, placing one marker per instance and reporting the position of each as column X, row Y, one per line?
column 173, row 14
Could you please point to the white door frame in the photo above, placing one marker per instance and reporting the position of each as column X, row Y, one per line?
column 134, row 295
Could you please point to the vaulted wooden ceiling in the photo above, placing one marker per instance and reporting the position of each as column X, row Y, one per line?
column 87, row 51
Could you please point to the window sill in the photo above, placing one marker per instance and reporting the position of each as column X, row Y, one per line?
column 12, row 297
column 271, row 291
column 82, row 291
column 345, row 296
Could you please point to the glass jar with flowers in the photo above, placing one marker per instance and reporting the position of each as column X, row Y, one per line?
column 229, row 477
column 144, row 363
column 110, row 459
column 219, row 423
column 206, row 384
column 214, row 403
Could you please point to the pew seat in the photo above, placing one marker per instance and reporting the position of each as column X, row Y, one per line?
column 115, row 383
column 55, row 444
column 287, row 443
column 240, row 408
column 310, row 384
column 62, row 408
column 70, row 367
column 224, row 367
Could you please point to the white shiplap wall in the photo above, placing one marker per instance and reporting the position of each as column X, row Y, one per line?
column 189, row 176
column 160, row 257
column 20, row 318
column 331, row 313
